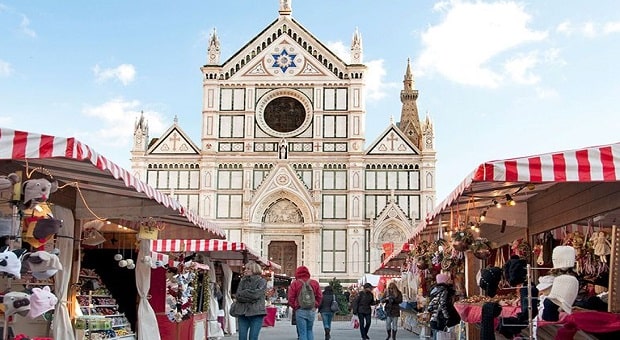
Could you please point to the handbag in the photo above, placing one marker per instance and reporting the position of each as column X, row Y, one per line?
column 234, row 309
column 334, row 306
column 355, row 322
column 442, row 335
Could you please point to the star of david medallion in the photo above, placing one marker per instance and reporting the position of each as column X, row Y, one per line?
column 284, row 60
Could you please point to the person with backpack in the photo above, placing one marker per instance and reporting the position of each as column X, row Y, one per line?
column 327, row 313
column 362, row 307
column 304, row 296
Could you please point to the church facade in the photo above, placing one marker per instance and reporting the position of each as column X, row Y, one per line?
column 283, row 164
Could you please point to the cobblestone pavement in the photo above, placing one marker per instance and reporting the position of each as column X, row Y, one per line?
column 341, row 330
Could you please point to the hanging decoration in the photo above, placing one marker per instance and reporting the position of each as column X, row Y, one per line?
column 481, row 248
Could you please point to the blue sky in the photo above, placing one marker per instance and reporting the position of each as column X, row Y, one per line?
column 499, row 79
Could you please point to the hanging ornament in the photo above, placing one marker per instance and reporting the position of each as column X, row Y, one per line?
column 122, row 263
column 118, row 255
column 131, row 266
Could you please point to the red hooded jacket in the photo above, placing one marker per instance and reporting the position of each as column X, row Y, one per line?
column 303, row 274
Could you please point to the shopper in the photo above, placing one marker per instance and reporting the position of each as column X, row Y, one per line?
column 362, row 307
column 326, row 310
column 300, row 295
column 392, row 298
column 441, row 309
column 250, row 304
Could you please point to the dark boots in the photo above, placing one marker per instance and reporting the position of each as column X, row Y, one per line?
column 393, row 334
column 389, row 331
column 327, row 335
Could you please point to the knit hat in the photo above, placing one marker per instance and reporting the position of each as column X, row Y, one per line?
column 564, row 292
column 515, row 270
column 43, row 264
column 545, row 282
column 368, row 285
column 489, row 280
column 10, row 263
column 41, row 301
column 442, row 278
column 16, row 302
column 563, row 257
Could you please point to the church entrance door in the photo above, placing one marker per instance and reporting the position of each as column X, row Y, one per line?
column 284, row 253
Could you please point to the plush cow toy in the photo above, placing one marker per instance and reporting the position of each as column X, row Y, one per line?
column 39, row 225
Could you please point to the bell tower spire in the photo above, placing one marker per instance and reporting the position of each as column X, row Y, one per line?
column 357, row 53
column 409, row 118
column 140, row 134
column 214, row 49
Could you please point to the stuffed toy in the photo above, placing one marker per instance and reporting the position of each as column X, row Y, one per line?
column 35, row 191
column 10, row 262
column 7, row 182
column 16, row 302
column 39, row 225
column 43, row 264
column 41, row 301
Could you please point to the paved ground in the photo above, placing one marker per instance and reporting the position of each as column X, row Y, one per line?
column 341, row 330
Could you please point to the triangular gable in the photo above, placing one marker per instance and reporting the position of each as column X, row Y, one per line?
column 285, row 48
column 174, row 141
column 392, row 211
column 392, row 142
column 282, row 182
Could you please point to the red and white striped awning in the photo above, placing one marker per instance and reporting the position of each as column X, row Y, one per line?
column 218, row 250
column 591, row 164
column 494, row 178
column 67, row 154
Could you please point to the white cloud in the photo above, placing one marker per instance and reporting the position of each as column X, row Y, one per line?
column 611, row 27
column 565, row 28
column 589, row 30
column 544, row 93
column 464, row 46
column 115, row 121
column 5, row 68
column 25, row 27
column 376, row 88
column 125, row 73
column 520, row 68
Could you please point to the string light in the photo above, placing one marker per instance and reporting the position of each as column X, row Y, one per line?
column 497, row 204
column 509, row 201
column 483, row 216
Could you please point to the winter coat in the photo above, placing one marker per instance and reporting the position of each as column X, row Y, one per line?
column 251, row 296
column 362, row 304
column 303, row 274
column 326, row 302
column 441, row 307
column 392, row 303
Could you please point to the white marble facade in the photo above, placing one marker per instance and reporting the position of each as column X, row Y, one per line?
column 283, row 163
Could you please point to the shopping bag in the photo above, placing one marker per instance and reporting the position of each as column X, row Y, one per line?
column 355, row 322
column 380, row 312
column 441, row 335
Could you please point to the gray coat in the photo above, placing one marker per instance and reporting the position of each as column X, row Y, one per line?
column 251, row 296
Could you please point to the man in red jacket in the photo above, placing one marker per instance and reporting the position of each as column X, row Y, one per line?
column 304, row 316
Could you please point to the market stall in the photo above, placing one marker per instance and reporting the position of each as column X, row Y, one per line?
column 232, row 254
column 89, row 186
column 514, row 203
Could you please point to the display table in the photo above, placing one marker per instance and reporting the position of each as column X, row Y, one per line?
column 472, row 313
column 270, row 318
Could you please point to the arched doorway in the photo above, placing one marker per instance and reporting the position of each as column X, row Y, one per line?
column 284, row 253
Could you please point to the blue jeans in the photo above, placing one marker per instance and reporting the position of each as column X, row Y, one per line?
column 391, row 323
column 364, row 324
column 251, row 325
column 327, row 319
column 305, row 322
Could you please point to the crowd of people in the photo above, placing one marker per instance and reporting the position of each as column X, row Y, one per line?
column 306, row 299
